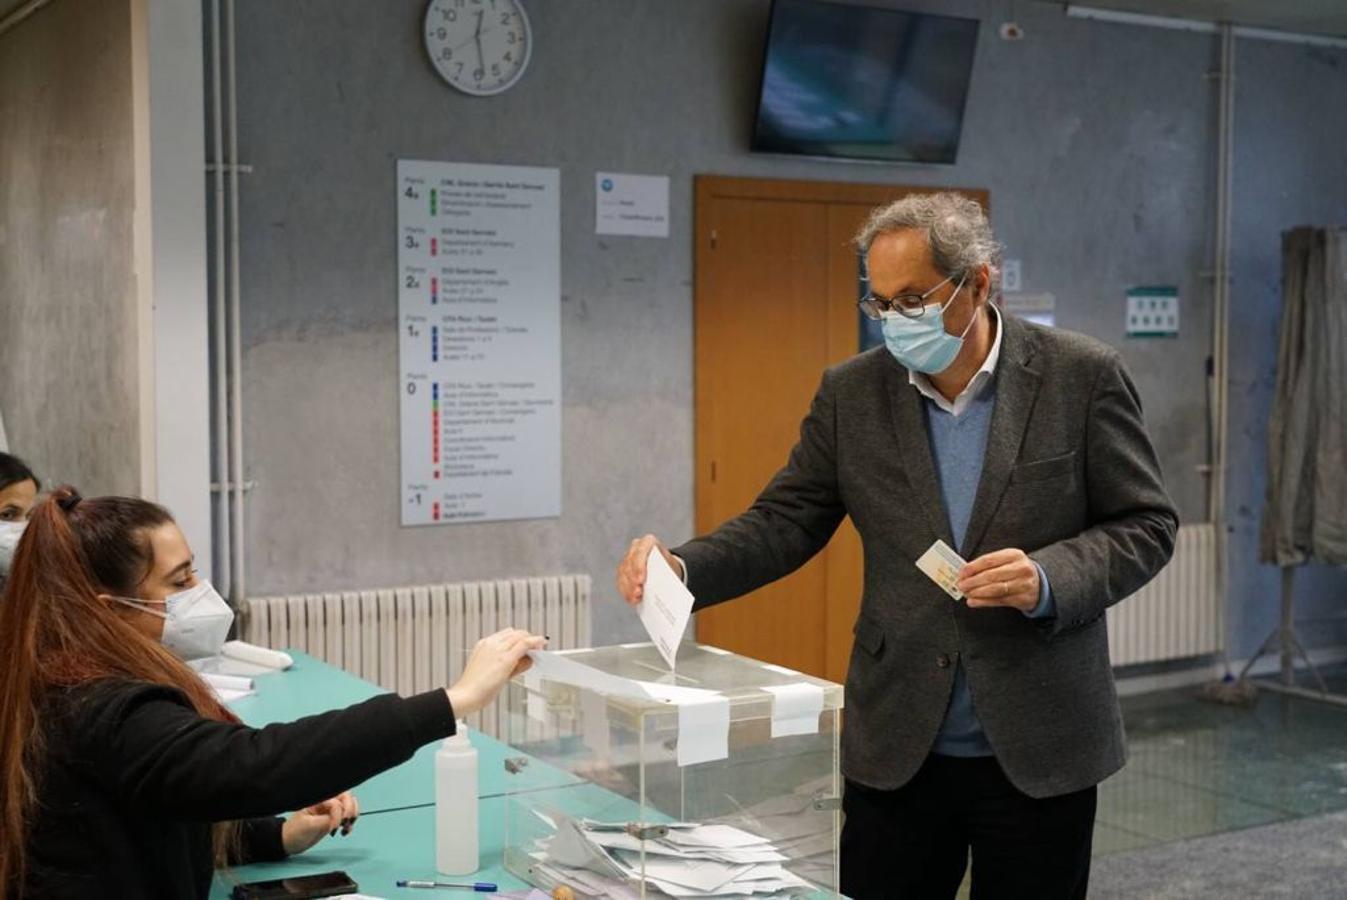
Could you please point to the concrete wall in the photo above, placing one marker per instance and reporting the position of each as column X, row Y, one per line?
column 1290, row 169
column 1095, row 140
column 69, row 382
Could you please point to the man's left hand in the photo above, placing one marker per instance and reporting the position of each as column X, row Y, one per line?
column 1000, row 578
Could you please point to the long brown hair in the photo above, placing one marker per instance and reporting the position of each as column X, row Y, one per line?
column 56, row 633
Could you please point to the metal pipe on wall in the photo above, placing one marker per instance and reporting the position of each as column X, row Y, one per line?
column 224, row 562
column 235, row 327
column 1221, row 316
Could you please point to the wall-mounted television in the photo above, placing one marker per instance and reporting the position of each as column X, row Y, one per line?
column 844, row 80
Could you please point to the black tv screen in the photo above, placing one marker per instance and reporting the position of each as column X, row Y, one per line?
column 863, row 82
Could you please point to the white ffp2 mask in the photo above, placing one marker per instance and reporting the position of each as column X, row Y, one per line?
column 10, row 532
column 196, row 621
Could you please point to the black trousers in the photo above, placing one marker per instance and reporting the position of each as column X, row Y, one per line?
column 914, row 842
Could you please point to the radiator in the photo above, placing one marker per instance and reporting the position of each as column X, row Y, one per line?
column 412, row 639
column 1175, row 616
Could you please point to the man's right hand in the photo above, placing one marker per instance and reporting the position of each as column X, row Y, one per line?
column 631, row 571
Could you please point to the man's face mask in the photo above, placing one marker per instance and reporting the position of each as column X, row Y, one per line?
column 196, row 621
column 920, row 342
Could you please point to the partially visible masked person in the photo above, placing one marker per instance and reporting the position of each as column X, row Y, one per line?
column 121, row 774
column 19, row 488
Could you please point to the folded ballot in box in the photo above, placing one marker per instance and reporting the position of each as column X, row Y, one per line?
column 717, row 779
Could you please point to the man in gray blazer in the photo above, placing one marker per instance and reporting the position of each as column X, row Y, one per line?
column 983, row 724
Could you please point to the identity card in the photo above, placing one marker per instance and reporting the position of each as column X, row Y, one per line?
column 942, row 565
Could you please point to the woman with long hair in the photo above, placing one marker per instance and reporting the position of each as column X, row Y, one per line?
column 121, row 775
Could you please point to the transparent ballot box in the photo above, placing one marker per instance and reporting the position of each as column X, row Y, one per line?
column 718, row 781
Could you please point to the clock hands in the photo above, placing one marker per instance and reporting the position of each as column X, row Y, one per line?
column 481, row 62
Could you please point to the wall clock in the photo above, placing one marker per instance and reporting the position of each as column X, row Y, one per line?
column 481, row 47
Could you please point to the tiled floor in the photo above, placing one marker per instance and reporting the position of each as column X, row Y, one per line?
column 1198, row 768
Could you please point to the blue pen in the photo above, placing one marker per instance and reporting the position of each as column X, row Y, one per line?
column 481, row 887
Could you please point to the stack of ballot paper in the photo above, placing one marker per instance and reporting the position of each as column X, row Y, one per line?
column 228, row 688
column 692, row 860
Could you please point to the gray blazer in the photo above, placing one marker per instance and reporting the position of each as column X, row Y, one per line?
column 1070, row 477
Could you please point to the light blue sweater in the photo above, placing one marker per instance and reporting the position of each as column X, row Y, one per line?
column 958, row 444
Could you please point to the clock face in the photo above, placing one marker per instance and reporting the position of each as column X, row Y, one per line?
column 480, row 47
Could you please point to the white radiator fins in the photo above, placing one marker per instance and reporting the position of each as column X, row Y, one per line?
column 1175, row 616
column 414, row 639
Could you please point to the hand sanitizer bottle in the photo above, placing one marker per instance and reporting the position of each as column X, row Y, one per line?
column 456, row 805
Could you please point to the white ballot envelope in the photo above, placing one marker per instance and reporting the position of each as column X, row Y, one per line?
column 942, row 565
column 665, row 607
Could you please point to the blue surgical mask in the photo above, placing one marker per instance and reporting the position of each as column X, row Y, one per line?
column 922, row 344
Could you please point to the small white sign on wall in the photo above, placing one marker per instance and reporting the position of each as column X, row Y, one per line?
column 1153, row 312
column 631, row 204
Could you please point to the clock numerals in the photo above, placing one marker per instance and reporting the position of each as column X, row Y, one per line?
column 483, row 51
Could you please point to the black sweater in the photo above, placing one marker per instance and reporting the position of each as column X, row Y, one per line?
column 134, row 778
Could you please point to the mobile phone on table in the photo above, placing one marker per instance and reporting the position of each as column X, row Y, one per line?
column 300, row 887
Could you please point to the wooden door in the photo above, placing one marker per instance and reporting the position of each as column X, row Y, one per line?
column 775, row 304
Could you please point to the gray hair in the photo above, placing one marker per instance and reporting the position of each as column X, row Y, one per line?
column 956, row 228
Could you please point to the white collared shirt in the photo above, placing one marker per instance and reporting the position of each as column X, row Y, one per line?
column 922, row 383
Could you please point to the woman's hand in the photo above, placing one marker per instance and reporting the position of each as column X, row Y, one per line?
column 495, row 660
column 307, row 826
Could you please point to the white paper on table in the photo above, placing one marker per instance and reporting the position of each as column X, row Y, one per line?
column 570, row 846
column 700, row 874
column 719, row 837
column 228, row 688
column 795, row 708
column 221, row 681
column 666, row 606
column 746, row 855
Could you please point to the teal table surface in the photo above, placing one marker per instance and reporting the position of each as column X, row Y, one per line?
column 394, row 838
column 312, row 686
column 387, row 847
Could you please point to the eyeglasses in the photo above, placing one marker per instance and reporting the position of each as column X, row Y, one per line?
column 912, row 306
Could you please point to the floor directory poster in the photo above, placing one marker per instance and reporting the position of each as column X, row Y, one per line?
column 479, row 319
